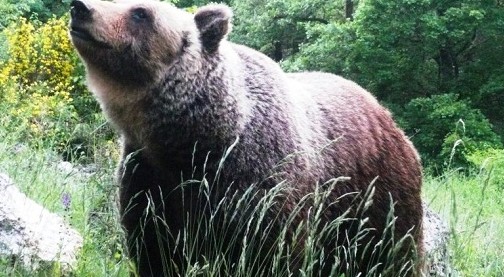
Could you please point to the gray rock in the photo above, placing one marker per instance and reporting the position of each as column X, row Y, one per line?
column 66, row 167
column 84, row 171
column 436, row 235
column 32, row 235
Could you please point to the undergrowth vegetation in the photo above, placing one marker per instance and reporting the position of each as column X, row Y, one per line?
column 472, row 206
column 84, row 198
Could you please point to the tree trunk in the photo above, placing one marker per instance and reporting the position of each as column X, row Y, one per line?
column 349, row 9
column 277, row 52
column 448, row 69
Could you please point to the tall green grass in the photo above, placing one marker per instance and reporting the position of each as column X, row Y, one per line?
column 473, row 206
column 262, row 232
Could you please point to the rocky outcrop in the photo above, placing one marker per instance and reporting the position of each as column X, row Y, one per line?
column 31, row 235
column 436, row 235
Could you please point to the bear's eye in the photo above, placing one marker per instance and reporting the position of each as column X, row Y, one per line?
column 139, row 15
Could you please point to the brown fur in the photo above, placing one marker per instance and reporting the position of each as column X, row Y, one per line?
column 179, row 94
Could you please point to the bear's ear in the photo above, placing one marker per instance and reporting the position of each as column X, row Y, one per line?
column 213, row 22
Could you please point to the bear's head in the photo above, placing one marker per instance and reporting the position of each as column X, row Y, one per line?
column 134, row 42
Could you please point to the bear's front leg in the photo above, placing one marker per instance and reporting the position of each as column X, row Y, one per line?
column 148, row 217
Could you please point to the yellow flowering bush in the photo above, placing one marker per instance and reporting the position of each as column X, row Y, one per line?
column 41, row 85
column 19, row 39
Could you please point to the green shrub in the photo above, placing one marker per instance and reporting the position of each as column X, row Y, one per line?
column 490, row 161
column 447, row 130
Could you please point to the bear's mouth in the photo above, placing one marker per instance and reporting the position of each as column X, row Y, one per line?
column 84, row 34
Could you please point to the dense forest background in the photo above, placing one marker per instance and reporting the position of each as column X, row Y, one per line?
column 437, row 65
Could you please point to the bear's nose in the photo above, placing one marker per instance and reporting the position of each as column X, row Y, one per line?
column 79, row 10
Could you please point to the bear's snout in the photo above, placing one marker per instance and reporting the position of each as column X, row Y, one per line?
column 81, row 26
column 79, row 10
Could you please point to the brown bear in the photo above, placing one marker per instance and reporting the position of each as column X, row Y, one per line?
column 194, row 109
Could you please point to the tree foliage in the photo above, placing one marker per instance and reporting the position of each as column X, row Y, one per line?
column 41, row 10
column 412, row 51
column 279, row 27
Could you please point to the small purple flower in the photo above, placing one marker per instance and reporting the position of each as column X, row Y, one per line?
column 66, row 200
